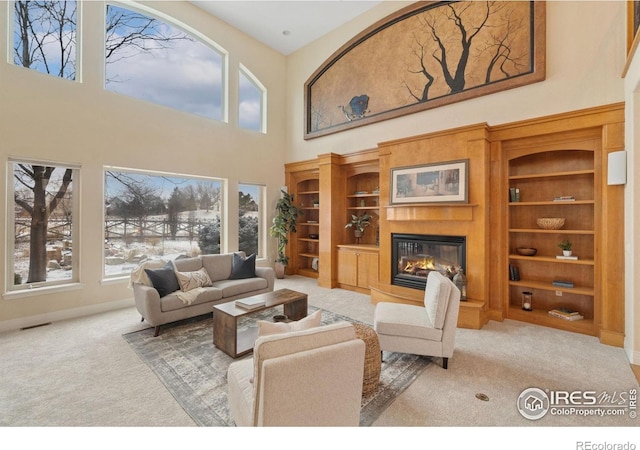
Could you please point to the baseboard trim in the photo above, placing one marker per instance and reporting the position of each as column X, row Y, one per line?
column 56, row 316
column 634, row 356
column 636, row 371
column 612, row 338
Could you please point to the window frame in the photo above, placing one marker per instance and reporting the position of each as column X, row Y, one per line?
column 147, row 172
column 27, row 289
column 244, row 71
column 78, row 42
column 262, row 218
column 173, row 21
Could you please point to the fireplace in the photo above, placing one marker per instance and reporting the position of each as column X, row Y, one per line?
column 413, row 256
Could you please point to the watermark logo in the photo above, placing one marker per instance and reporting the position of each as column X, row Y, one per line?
column 535, row 403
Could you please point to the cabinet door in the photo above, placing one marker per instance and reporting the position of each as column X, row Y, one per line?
column 347, row 267
column 367, row 269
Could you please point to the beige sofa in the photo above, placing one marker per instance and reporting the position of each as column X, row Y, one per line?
column 178, row 305
column 306, row 378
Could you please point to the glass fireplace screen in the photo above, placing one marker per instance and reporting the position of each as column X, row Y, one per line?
column 415, row 255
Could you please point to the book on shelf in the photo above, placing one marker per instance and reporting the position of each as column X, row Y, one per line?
column 572, row 257
column 514, row 194
column 566, row 314
column 565, row 198
column 250, row 303
column 514, row 273
column 562, row 283
column 565, row 311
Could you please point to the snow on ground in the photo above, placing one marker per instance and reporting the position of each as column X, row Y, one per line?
column 121, row 256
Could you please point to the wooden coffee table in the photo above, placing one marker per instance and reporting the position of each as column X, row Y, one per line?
column 225, row 320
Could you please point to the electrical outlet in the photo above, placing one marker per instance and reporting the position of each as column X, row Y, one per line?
column 559, row 293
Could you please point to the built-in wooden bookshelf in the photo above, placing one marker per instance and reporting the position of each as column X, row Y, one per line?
column 307, row 235
column 362, row 195
column 303, row 182
column 557, row 183
column 558, row 164
column 548, row 157
column 358, row 258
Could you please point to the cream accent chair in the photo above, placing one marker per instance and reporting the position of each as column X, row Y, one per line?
column 307, row 378
column 421, row 330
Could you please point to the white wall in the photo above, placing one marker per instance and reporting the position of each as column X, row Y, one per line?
column 632, row 211
column 586, row 54
column 70, row 122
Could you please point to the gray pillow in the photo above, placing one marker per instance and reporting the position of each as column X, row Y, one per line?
column 243, row 267
column 164, row 280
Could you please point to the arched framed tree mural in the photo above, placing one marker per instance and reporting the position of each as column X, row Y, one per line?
column 424, row 56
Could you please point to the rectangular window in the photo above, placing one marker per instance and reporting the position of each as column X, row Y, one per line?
column 43, row 225
column 151, row 215
column 251, row 225
column 44, row 36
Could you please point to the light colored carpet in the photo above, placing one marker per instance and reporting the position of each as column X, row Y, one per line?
column 195, row 371
column 83, row 373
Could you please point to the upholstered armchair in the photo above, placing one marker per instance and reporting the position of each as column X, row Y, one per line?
column 311, row 377
column 421, row 330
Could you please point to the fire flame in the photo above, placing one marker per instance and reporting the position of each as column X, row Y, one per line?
column 428, row 263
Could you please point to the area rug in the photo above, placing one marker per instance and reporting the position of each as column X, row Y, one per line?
column 195, row 372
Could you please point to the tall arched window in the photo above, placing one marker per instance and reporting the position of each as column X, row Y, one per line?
column 156, row 61
column 252, row 99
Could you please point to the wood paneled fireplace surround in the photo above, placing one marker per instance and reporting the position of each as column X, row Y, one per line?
column 554, row 156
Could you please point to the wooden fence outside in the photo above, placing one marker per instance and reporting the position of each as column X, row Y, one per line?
column 120, row 228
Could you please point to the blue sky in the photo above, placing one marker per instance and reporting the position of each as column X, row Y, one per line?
column 164, row 185
column 186, row 75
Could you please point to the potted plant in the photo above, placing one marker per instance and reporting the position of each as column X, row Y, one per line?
column 359, row 223
column 284, row 222
column 566, row 247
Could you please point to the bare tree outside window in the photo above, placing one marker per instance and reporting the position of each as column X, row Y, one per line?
column 157, row 216
column 42, row 222
column 44, row 37
column 158, row 62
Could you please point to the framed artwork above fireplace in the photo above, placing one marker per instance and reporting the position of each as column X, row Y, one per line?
column 445, row 182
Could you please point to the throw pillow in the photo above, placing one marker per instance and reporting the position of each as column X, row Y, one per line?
column 192, row 280
column 163, row 280
column 243, row 267
column 311, row 321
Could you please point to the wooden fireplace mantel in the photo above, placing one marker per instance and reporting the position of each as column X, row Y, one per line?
column 439, row 211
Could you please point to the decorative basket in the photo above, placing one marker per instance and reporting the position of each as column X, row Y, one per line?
column 372, row 358
column 526, row 251
column 550, row 223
